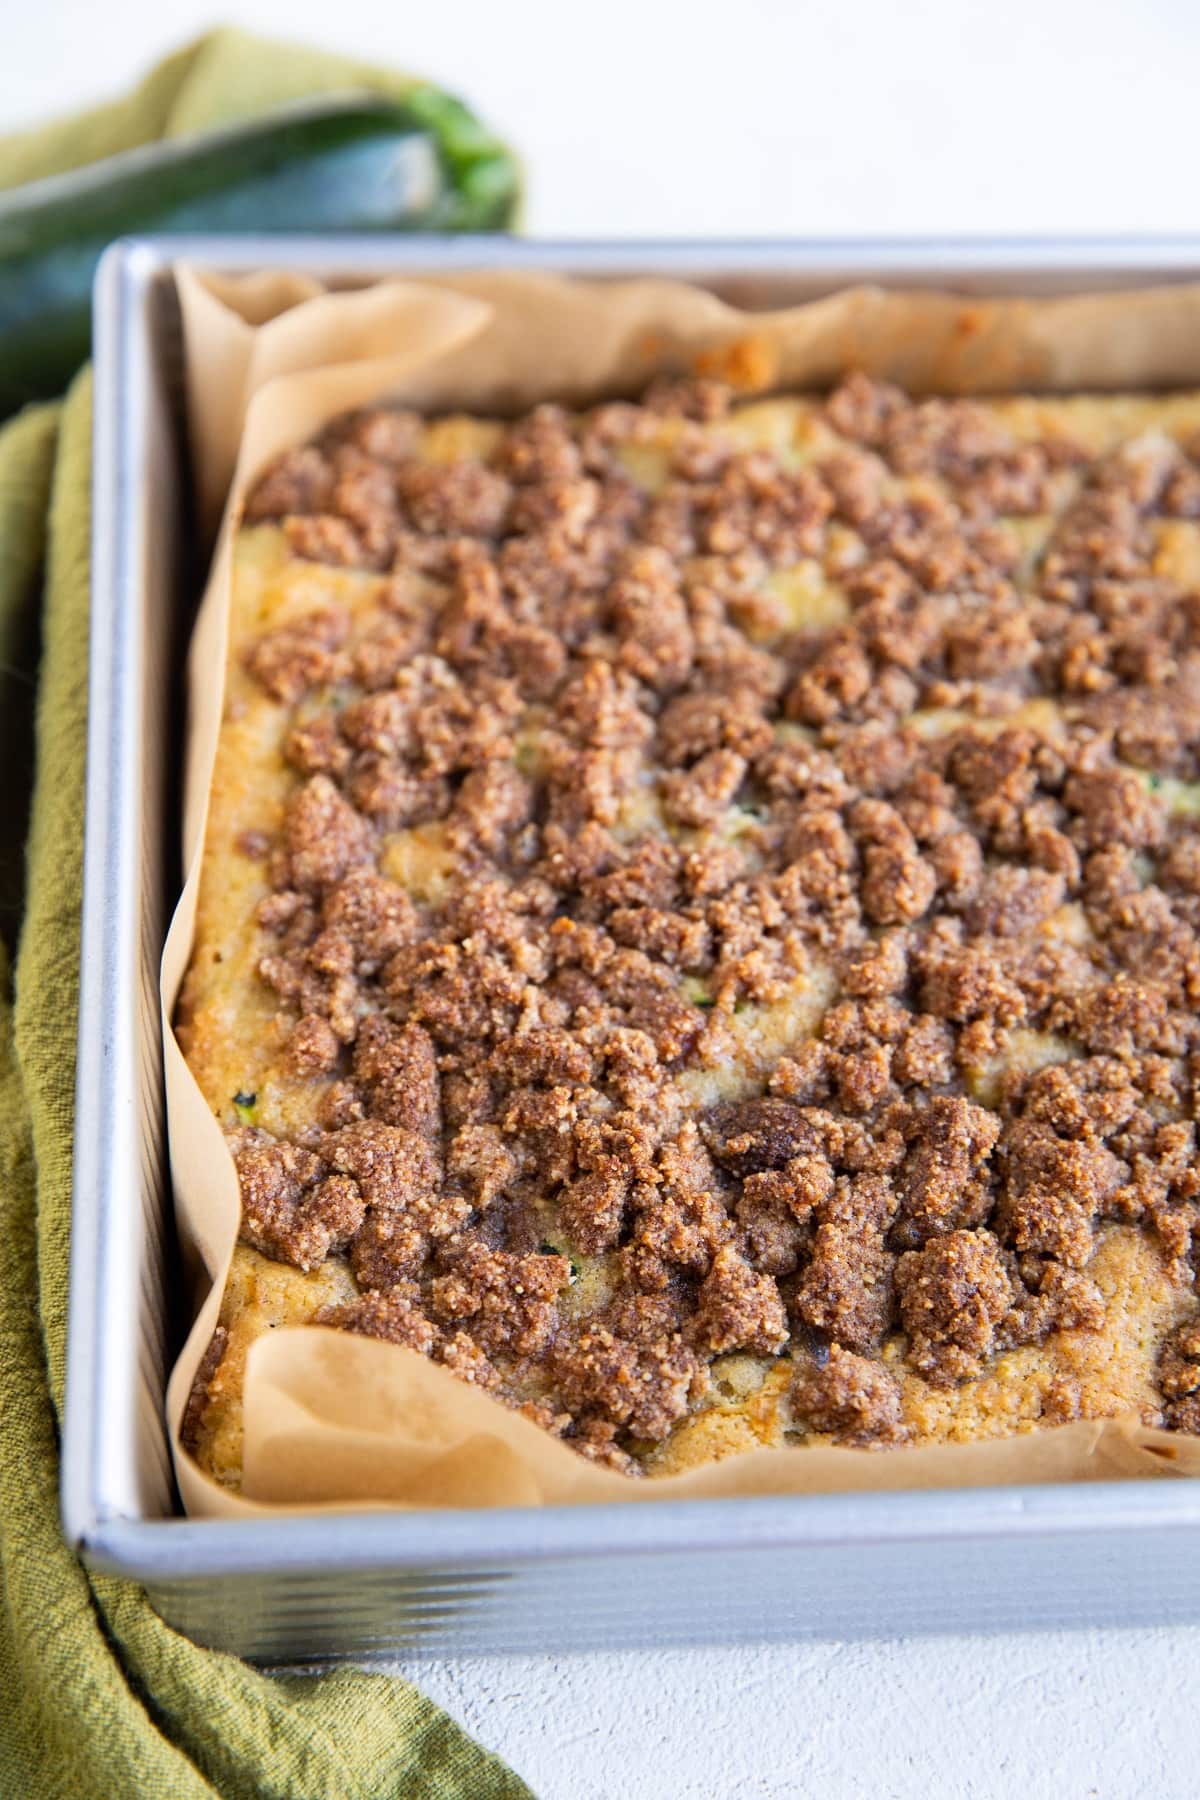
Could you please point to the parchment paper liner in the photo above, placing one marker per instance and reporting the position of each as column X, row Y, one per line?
column 333, row 1419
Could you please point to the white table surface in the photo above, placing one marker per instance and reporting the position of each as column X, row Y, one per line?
column 775, row 117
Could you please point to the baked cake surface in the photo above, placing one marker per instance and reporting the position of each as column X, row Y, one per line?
column 698, row 928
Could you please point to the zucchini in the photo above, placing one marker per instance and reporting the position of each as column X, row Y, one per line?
column 358, row 164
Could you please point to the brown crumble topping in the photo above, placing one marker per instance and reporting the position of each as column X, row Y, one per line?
column 668, row 811
column 854, row 1398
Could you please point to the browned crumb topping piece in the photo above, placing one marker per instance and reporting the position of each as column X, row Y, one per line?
column 952, row 1294
column 629, row 1368
column 395, row 1315
column 292, row 1207
column 672, row 818
column 1179, row 1378
column 855, row 1398
column 193, row 1413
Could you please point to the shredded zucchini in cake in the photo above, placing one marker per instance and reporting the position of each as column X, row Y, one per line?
column 699, row 921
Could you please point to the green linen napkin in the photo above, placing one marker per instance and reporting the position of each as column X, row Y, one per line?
column 98, row 1698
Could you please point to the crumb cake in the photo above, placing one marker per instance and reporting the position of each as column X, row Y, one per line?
column 699, row 920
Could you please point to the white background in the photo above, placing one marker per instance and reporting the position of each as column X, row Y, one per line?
column 762, row 117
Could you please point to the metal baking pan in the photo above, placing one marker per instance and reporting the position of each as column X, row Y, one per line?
column 442, row 1582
